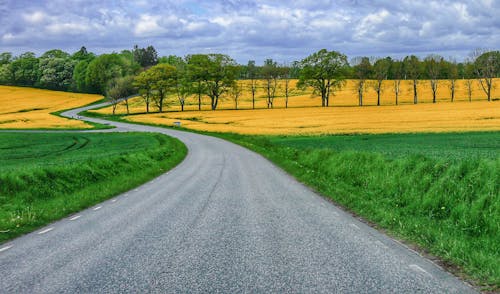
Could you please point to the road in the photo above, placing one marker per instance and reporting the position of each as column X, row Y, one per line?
column 224, row 220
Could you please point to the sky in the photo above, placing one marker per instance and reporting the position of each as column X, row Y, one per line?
column 253, row 29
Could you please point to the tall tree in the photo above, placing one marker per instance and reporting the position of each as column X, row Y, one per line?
column 235, row 93
column 120, row 89
column 486, row 68
column 198, row 73
column 323, row 71
column 362, row 70
column 146, row 57
column 183, row 86
column 25, row 70
column 452, row 75
column 433, row 69
column 469, row 81
column 144, row 83
column 270, row 73
column 56, row 73
column 412, row 71
column 164, row 80
column 103, row 69
column 286, row 76
column 252, row 74
column 381, row 69
column 397, row 75
column 221, row 76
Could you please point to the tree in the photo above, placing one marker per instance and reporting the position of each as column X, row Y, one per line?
column 270, row 73
column 221, row 72
column 103, row 69
column 25, row 70
column 323, row 71
column 82, row 54
column 56, row 73
column 252, row 72
column 55, row 53
column 362, row 71
column 469, row 81
column 164, row 80
column 146, row 57
column 452, row 75
column 235, row 93
column 144, row 83
column 120, row 89
column 80, row 74
column 397, row 72
column 5, row 58
column 198, row 74
column 183, row 84
column 285, row 75
column 412, row 71
column 486, row 68
column 380, row 72
column 433, row 69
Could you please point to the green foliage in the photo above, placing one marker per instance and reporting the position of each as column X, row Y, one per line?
column 441, row 191
column 145, row 56
column 44, row 177
column 56, row 73
column 25, row 70
column 324, row 71
column 102, row 69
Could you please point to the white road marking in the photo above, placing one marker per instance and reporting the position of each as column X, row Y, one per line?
column 45, row 231
column 113, row 200
column 419, row 269
column 354, row 226
column 5, row 248
column 75, row 217
column 97, row 208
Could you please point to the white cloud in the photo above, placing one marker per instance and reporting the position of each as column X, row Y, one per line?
column 256, row 29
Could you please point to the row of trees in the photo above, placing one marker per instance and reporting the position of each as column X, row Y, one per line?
column 119, row 75
column 483, row 66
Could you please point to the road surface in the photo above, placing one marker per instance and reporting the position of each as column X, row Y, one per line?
column 224, row 220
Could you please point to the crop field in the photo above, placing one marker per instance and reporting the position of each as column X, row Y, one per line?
column 304, row 117
column 440, row 117
column 440, row 191
column 44, row 177
column 29, row 108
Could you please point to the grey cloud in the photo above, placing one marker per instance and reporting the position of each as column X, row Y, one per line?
column 253, row 29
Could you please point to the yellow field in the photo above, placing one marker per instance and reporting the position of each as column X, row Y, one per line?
column 306, row 117
column 441, row 117
column 28, row 108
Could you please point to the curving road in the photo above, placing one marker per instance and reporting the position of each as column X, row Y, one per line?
column 224, row 220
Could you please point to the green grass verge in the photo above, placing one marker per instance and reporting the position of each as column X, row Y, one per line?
column 440, row 191
column 44, row 177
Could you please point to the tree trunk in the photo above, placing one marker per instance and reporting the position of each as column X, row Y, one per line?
column 452, row 90
column 147, row 106
column 415, row 95
column 253, row 98
column 182, row 106
column 434, row 89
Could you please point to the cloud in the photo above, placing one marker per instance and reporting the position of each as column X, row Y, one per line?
column 253, row 29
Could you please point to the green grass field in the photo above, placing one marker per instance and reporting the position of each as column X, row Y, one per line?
column 440, row 191
column 44, row 177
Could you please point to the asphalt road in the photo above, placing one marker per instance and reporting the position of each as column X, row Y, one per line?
column 224, row 220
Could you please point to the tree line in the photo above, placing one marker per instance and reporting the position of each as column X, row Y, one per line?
column 140, row 70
